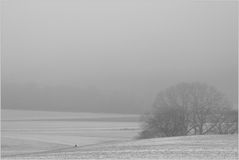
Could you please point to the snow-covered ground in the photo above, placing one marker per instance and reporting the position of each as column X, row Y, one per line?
column 32, row 131
column 39, row 139
column 183, row 148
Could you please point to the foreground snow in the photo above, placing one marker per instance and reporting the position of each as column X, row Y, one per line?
column 193, row 147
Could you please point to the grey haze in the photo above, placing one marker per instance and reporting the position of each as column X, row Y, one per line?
column 113, row 56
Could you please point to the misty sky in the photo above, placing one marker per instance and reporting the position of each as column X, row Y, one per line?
column 135, row 47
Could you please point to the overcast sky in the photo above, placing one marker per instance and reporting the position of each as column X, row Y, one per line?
column 127, row 45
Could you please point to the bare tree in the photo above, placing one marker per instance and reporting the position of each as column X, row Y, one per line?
column 227, row 123
column 187, row 108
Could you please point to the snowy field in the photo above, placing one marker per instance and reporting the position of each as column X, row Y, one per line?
column 51, row 135
column 36, row 131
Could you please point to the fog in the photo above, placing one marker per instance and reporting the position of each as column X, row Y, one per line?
column 114, row 56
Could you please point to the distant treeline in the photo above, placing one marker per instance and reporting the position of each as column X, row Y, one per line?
column 67, row 98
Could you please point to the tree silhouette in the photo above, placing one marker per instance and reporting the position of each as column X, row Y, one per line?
column 189, row 108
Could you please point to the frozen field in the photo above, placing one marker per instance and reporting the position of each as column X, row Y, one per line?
column 51, row 135
column 178, row 148
column 36, row 131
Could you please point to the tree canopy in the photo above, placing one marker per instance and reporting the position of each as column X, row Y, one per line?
column 189, row 108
